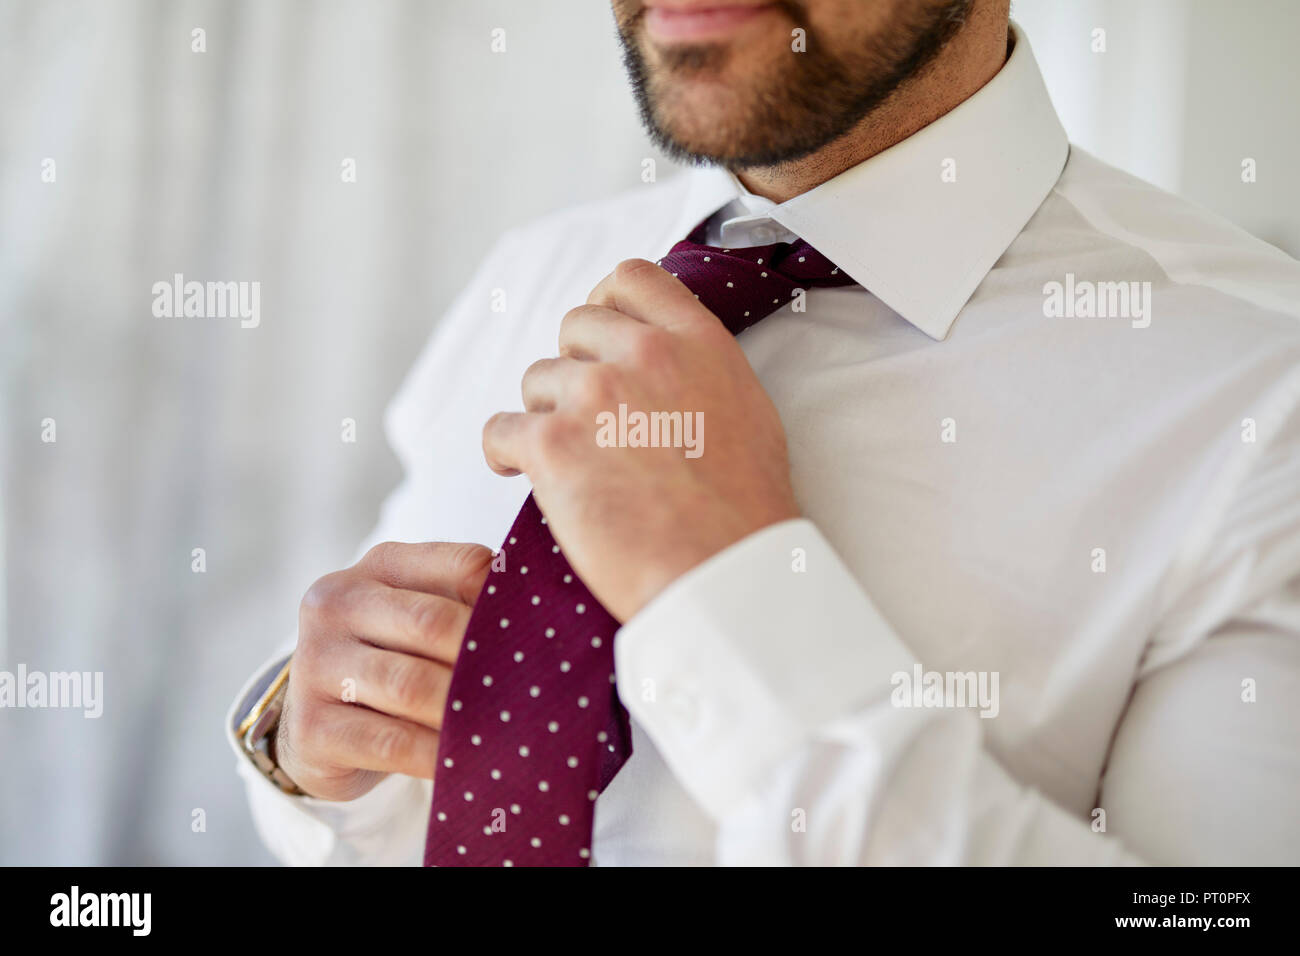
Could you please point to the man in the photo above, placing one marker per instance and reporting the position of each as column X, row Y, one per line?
column 985, row 547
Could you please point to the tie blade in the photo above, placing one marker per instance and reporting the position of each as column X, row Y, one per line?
column 533, row 729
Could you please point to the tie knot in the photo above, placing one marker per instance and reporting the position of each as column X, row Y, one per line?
column 742, row 285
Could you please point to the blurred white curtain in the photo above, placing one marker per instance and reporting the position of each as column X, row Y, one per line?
column 177, row 434
column 1184, row 91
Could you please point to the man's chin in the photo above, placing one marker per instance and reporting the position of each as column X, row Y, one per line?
column 702, row 121
column 700, row 100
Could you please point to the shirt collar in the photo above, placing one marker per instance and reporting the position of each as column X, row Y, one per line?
column 921, row 224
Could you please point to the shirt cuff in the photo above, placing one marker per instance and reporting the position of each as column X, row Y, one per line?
column 737, row 663
column 381, row 827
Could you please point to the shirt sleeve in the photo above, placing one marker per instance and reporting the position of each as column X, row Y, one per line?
column 1205, row 766
column 768, row 688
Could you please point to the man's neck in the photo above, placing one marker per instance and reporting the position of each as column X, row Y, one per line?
column 969, row 60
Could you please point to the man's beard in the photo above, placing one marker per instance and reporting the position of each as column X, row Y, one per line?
column 808, row 101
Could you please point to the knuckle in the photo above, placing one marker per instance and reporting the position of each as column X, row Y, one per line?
column 538, row 368
column 431, row 616
column 469, row 560
column 406, row 684
column 494, row 423
column 574, row 316
column 324, row 597
column 631, row 268
column 383, row 558
column 392, row 744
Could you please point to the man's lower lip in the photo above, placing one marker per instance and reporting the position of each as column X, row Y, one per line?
column 703, row 24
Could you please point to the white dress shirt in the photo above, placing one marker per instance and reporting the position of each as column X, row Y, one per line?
column 1100, row 513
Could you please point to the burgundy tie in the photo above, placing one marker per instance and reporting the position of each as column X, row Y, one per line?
column 534, row 729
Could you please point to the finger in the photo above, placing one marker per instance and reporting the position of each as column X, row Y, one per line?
column 595, row 333
column 412, row 622
column 547, row 381
column 452, row 570
column 507, row 439
column 401, row 685
column 363, row 739
column 642, row 290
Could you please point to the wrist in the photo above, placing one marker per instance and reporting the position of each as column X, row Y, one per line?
column 693, row 552
column 260, row 728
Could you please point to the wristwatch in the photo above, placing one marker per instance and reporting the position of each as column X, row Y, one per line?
column 257, row 729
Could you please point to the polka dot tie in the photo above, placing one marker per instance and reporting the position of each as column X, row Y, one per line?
column 534, row 729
